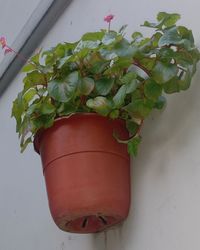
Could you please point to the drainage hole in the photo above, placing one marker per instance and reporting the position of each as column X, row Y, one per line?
column 103, row 220
column 84, row 224
column 67, row 223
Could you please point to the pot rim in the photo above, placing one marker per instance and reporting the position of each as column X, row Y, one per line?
column 38, row 134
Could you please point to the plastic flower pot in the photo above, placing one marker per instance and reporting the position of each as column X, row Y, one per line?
column 87, row 172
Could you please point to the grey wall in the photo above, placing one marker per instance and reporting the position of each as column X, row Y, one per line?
column 165, row 176
column 13, row 16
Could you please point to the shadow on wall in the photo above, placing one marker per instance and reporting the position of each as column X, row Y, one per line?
column 110, row 240
column 175, row 127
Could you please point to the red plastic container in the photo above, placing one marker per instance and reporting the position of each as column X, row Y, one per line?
column 87, row 172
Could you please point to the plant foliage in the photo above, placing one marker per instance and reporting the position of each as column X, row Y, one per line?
column 108, row 74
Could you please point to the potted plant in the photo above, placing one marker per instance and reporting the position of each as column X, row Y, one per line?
column 83, row 105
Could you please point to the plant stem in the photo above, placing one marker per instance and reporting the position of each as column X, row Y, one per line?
column 137, row 63
column 18, row 54
column 139, row 128
column 137, row 133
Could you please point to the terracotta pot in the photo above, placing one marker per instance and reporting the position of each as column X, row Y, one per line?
column 87, row 172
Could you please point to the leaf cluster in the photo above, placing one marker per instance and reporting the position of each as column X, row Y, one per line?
column 108, row 74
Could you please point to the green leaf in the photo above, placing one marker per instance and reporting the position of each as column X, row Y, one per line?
column 118, row 66
column 93, row 36
column 170, row 36
column 107, row 54
column 100, row 104
column 62, row 62
column 168, row 19
column 36, row 78
column 137, row 94
column 41, row 108
column 25, row 128
column 136, row 35
column 43, row 121
column 29, row 95
column 46, row 108
column 66, row 109
column 155, row 38
column 119, row 97
column 124, row 49
column 114, row 114
column 128, row 77
column 59, row 50
column 86, row 85
column 50, row 60
column 161, row 16
column 172, row 86
column 133, row 145
column 145, row 43
column 132, row 86
column 128, row 88
column 33, row 108
column 166, row 55
column 104, row 86
column 163, row 72
column 132, row 127
column 184, row 58
column 36, row 59
column 99, row 67
column 184, row 83
column 25, row 144
column 109, row 38
column 160, row 103
column 140, row 108
column 86, row 45
column 42, row 91
column 18, row 108
column 152, row 90
column 149, row 24
column 64, row 90
column 148, row 63
column 70, row 46
column 121, row 63
column 165, row 20
column 186, row 34
column 29, row 67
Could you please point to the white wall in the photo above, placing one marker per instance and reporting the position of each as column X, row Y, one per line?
column 165, row 176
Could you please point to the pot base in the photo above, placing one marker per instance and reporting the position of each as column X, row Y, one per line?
column 88, row 224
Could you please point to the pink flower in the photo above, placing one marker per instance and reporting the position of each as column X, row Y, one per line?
column 108, row 18
column 4, row 45
column 3, row 42
column 7, row 50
